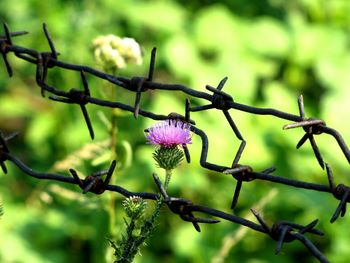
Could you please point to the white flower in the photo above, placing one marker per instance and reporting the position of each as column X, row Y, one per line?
column 115, row 52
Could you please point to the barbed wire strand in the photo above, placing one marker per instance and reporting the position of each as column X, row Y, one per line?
column 281, row 232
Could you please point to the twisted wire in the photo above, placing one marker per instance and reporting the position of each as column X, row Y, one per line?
column 215, row 98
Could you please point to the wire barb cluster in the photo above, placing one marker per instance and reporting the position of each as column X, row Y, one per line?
column 281, row 231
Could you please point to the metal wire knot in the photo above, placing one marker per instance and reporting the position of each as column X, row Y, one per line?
column 286, row 232
column 94, row 182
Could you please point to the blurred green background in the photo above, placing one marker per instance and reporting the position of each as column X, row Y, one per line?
column 271, row 50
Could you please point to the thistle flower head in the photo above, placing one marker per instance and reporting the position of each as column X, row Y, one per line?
column 169, row 133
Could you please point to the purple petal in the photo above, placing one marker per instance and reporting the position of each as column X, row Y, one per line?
column 169, row 133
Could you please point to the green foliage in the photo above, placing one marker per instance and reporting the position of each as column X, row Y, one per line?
column 272, row 51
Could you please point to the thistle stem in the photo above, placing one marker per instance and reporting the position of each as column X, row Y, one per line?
column 130, row 245
column 168, row 173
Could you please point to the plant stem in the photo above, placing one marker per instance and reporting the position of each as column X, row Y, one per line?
column 130, row 245
column 160, row 201
column 113, row 135
column 167, row 178
column 128, row 250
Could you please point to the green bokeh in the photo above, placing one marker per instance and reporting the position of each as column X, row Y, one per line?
column 272, row 51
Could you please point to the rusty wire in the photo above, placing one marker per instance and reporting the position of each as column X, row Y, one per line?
column 216, row 98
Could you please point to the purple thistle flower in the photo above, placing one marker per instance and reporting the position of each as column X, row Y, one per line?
column 169, row 133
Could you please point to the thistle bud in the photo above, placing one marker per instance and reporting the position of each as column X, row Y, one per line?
column 134, row 207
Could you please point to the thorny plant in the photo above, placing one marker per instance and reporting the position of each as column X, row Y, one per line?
column 281, row 231
column 167, row 136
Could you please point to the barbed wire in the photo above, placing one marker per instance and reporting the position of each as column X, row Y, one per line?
column 216, row 98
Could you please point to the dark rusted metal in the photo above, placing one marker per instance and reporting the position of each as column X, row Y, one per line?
column 340, row 192
column 94, row 183
column 282, row 232
column 4, row 150
column 311, row 127
column 286, row 232
column 152, row 64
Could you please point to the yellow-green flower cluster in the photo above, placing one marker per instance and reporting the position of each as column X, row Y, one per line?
column 113, row 52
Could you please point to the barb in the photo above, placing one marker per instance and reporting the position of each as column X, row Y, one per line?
column 340, row 192
column 284, row 232
column 311, row 127
column 94, row 183
column 5, row 43
column 182, row 207
column 216, row 98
